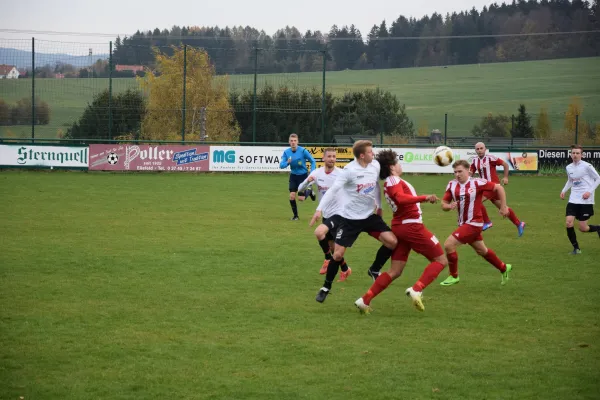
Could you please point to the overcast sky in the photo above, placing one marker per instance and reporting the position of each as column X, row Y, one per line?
column 125, row 17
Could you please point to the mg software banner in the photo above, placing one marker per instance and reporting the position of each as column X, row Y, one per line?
column 246, row 158
column 43, row 156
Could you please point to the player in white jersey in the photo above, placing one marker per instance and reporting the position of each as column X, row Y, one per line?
column 324, row 177
column 582, row 179
column 358, row 186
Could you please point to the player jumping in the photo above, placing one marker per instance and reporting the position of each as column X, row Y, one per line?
column 324, row 177
column 485, row 166
column 407, row 225
column 464, row 194
column 358, row 185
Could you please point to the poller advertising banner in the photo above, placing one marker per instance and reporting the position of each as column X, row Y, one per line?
column 144, row 157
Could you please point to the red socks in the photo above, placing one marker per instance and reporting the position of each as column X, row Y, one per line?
column 493, row 259
column 382, row 282
column 513, row 217
column 486, row 218
column 453, row 264
column 429, row 274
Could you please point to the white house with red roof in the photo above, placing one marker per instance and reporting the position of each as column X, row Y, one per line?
column 8, row 72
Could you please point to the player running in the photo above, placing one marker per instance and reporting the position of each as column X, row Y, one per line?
column 583, row 180
column 407, row 225
column 324, row 177
column 485, row 166
column 296, row 157
column 358, row 185
column 464, row 194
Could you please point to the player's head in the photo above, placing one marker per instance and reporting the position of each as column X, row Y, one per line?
column 293, row 141
column 480, row 149
column 363, row 150
column 388, row 159
column 329, row 157
column 576, row 152
column 461, row 170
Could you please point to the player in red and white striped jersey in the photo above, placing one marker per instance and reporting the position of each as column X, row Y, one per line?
column 485, row 166
column 465, row 195
column 407, row 225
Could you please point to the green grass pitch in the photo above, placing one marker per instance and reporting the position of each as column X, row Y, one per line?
column 466, row 92
column 155, row 286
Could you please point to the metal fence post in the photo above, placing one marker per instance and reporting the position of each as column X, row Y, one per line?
column 576, row 127
column 445, row 129
column 512, row 130
column 32, row 90
column 110, row 68
column 254, row 96
column 183, row 99
column 323, row 99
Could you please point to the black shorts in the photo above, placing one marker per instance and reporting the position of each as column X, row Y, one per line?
column 333, row 223
column 349, row 229
column 295, row 181
column 581, row 212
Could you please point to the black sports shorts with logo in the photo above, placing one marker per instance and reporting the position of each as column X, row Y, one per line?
column 582, row 212
column 333, row 223
column 350, row 229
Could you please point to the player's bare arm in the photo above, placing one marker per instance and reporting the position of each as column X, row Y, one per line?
column 315, row 217
column 501, row 193
column 506, row 172
column 448, row 205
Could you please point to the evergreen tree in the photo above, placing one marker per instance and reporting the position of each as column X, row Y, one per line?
column 523, row 126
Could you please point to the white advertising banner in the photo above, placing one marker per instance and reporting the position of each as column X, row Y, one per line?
column 414, row 160
column 246, row 158
column 43, row 156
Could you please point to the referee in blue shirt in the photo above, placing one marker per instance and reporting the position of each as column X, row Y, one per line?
column 296, row 157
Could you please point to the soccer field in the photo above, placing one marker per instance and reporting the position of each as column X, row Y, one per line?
column 155, row 286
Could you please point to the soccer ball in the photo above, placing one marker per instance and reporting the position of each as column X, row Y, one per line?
column 112, row 158
column 442, row 156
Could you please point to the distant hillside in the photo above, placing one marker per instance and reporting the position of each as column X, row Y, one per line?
column 22, row 58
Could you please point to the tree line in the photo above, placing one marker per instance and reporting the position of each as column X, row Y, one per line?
column 232, row 50
column 153, row 113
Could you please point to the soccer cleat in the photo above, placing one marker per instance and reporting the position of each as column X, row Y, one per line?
column 345, row 274
column 505, row 274
column 450, row 281
column 362, row 307
column 373, row 274
column 521, row 228
column 294, row 218
column 487, row 225
column 310, row 193
column 416, row 297
column 323, row 269
column 322, row 295
column 575, row 252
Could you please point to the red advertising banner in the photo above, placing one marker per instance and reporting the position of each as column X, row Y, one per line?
column 145, row 157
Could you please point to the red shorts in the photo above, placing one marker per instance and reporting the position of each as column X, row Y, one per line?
column 467, row 234
column 415, row 237
column 490, row 195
